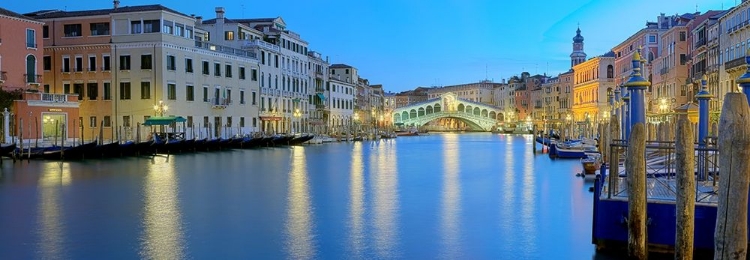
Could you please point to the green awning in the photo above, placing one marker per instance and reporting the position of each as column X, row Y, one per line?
column 321, row 96
column 163, row 120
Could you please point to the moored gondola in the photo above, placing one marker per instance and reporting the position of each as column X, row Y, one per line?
column 301, row 139
column 5, row 150
column 103, row 151
column 70, row 153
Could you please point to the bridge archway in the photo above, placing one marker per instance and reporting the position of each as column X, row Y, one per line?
column 476, row 115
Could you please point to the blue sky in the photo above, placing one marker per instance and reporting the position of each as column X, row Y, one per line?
column 404, row 44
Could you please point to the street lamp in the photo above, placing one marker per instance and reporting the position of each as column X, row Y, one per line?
column 161, row 108
column 297, row 115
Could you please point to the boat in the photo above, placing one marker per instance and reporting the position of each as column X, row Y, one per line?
column 407, row 133
column 5, row 150
column 301, row 139
column 571, row 152
column 591, row 163
column 104, row 150
column 509, row 128
column 70, row 153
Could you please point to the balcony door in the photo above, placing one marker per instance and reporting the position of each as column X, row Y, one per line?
column 31, row 69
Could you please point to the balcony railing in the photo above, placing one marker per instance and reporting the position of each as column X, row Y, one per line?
column 734, row 63
column 220, row 103
column 32, row 78
column 224, row 49
column 700, row 43
column 3, row 76
column 262, row 44
column 58, row 98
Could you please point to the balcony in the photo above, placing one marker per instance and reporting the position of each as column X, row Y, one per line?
column 3, row 76
column 220, row 103
column 51, row 100
column 57, row 98
column 224, row 49
column 320, row 106
column 663, row 71
column 700, row 43
column 261, row 44
column 32, row 79
column 737, row 63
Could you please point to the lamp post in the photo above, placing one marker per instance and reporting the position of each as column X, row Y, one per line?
column 568, row 119
column 296, row 115
column 160, row 109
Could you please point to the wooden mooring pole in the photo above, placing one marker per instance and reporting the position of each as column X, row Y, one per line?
column 685, row 171
column 533, row 139
column 636, row 171
column 614, row 156
column 730, row 239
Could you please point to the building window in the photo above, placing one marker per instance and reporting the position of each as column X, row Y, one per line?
column 135, row 27
column 92, row 63
column 189, row 93
column 99, row 29
column 126, row 121
column 188, row 65
column 228, row 71
column 242, row 97
column 168, row 27
column 92, row 121
column 255, row 122
column 146, row 62
column 242, row 72
column 78, row 90
column 276, row 60
column 107, row 122
column 30, row 38
column 683, row 59
column 171, row 91
column 106, row 61
column 79, row 64
column 205, row 93
column 66, row 88
column 205, row 68
column 151, row 26
column 189, row 121
column 171, row 62
column 242, row 121
column 124, row 62
column 72, row 30
column 217, row 69
column 107, row 91
column 652, row 38
column 47, row 60
column 66, row 64
column 45, row 32
column 229, row 35
column 254, row 75
column 145, row 90
column 682, row 36
column 253, row 98
column 92, row 90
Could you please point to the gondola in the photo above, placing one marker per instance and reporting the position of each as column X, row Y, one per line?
column 126, row 149
column 70, row 153
column 171, row 146
column 6, row 149
column 188, row 145
column 301, row 139
column 104, row 151
column 224, row 143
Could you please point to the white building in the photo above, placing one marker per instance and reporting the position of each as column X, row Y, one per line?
column 340, row 95
column 160, row 56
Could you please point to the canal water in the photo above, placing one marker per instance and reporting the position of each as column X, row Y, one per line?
column 441, row 196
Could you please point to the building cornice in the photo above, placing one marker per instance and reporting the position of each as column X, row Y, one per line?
column 21, row 19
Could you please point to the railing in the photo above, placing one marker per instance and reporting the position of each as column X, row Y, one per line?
column 224, row 49
column 262, row 44
column 663, row 71
column 59, row 98
column 700, row 43
column 661, row 169
column 32, row 78
column 734, row 63
column 220, row 103
column 3, row 76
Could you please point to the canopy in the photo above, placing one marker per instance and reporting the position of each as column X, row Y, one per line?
column 163, row 120
column 321, row 96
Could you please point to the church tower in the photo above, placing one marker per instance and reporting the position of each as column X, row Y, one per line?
column 578, row 56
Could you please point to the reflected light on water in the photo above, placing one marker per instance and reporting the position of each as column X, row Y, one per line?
column 508, row 187
column 451, row 198
column 54, row 177
column 163, row 236
column 385, row 201
column 299, row 224
column 356, row 202
column 528, row 204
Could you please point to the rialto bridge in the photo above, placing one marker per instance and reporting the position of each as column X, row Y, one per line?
column 478, row 116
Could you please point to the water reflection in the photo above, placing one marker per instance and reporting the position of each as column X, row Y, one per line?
column 451, row 198
column 356, row 202
column 528, row 200
column 299, row 225
column 163, row 236
column 51, row 228
column 507, row 217
column 386, row 204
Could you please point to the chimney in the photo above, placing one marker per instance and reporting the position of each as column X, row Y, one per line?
column 116, row 3
column 219, row 13
column 199, row 20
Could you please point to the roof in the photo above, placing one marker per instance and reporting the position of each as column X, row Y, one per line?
column 48, row 14
column 10, row 13
column 163, row 120
column 339, row 65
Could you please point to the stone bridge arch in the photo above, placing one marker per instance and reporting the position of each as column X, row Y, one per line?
column 477, row 115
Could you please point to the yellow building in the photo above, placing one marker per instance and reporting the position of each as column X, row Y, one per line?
column 591, row 80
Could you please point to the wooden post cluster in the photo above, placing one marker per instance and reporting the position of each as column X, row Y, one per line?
column 636, row 171
column 730, row 237
column 685, row 177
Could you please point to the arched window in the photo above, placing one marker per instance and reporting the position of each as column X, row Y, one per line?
column 31, row 69
column 610, row 72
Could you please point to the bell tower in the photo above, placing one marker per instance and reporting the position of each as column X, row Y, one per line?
column 578, row 56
